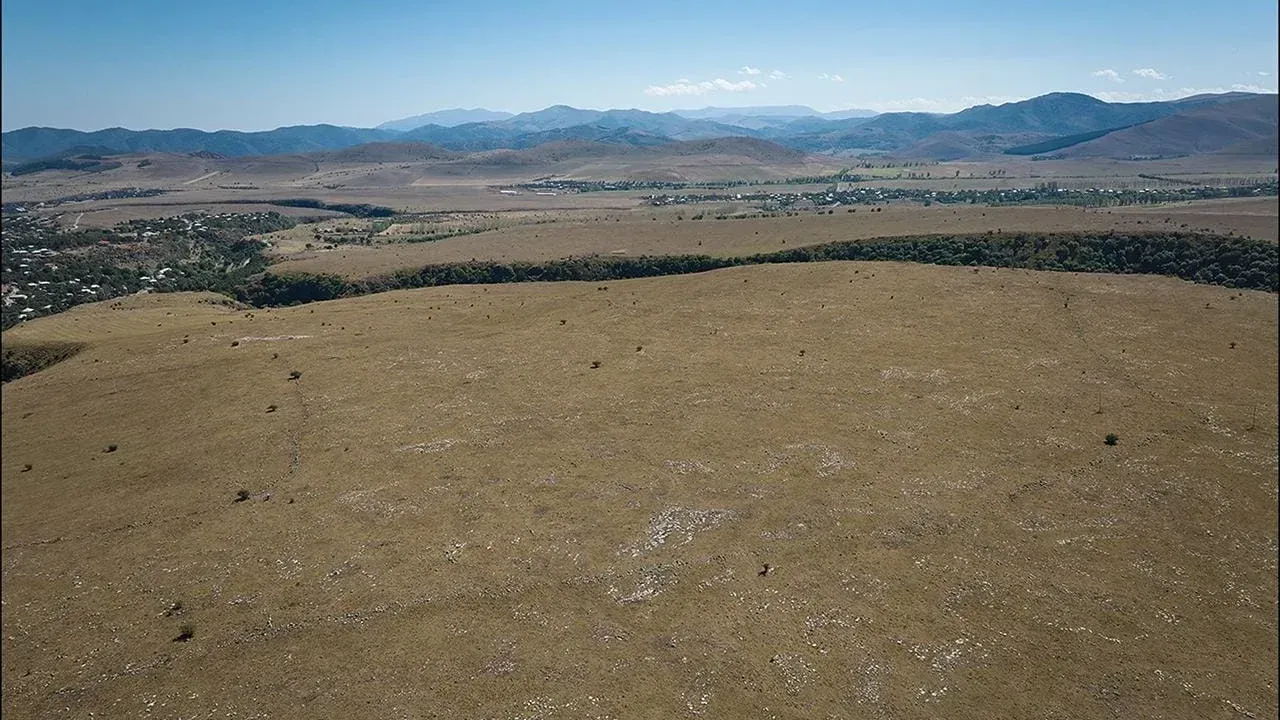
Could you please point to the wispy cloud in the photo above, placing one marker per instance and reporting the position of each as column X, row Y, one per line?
column 1109, row 74
column 748, row 70
column 1151, row 73
column 1161, row 94
column 832, row 78
column 937, row 105
column 1263, row 73
column 779, row 75
column 684, row 87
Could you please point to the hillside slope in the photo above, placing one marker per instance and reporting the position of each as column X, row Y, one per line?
column 831, row 490
column 1200, row 130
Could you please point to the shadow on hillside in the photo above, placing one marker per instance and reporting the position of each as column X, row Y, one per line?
column 22, row 359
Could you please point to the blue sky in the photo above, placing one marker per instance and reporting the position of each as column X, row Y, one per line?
column 89, row 64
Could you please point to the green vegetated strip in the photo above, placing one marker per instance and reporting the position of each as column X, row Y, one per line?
column 1211, row 259
column 88, row 163
column 361, row 210
column 22, row 359
column 1058, row 143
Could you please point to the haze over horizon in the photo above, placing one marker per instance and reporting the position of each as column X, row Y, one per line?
column 242, row 66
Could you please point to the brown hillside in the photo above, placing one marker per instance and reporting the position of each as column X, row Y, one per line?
column 1202, row 130
column 385, row 152
column 761, row 151
column 829, row 490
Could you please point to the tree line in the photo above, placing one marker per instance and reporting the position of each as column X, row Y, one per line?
column 1218, row 260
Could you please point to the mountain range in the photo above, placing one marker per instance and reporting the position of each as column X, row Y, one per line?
column 1067, row 123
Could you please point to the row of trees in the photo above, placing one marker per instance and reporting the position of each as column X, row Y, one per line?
column 1227, row 261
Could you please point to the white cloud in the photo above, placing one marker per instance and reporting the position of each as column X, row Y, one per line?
column 1263, row 73
column 937, row 105
column 1151, row 73
column 778, row 75
column 748, row 70
column 832, row 78
column 1251, row 88
column 1109, row 74
column 685, row 87
column 740, row 86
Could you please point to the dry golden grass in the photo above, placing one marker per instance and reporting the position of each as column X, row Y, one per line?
column 658, row 232
column 466, row 519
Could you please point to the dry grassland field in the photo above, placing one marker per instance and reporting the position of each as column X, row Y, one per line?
column 833, row 490
column 658, row 231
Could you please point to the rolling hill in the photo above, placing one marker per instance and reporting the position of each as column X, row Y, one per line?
column 829, row 490
column 385, row 152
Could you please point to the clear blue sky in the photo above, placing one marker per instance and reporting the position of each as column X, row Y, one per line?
column 90, row 64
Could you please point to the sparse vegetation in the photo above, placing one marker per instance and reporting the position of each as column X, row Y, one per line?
column 1111, row 439
column 22, row 359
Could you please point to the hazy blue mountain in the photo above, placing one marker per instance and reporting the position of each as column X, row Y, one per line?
column 34, row 142
column 591, row 133
column 445, row 118
column 515, row 132
column 769, row 118
column 770, row 111
column 715, row 113
column 1055, row 114
column 976, row 130
column 470, row 137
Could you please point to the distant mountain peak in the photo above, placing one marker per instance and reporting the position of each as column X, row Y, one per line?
column 445, row 118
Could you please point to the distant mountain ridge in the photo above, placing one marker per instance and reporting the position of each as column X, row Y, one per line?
column 1222, row 127
column 975, row 131
column 445, row 118
column 37, row 142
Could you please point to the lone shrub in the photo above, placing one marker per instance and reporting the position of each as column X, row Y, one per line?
column 241, row 496
column 185, row 633
column 111, row 448
column 1111, row 439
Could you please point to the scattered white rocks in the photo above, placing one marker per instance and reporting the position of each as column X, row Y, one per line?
column 652, row 582
column 430, row 447
column 272, row 338
column 936, row 377
column 684, row 467
column 795, row 670
column 676, row 522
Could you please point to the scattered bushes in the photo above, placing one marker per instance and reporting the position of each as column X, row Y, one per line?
column 19, row 360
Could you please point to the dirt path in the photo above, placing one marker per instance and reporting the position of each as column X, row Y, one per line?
column 202, row 177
